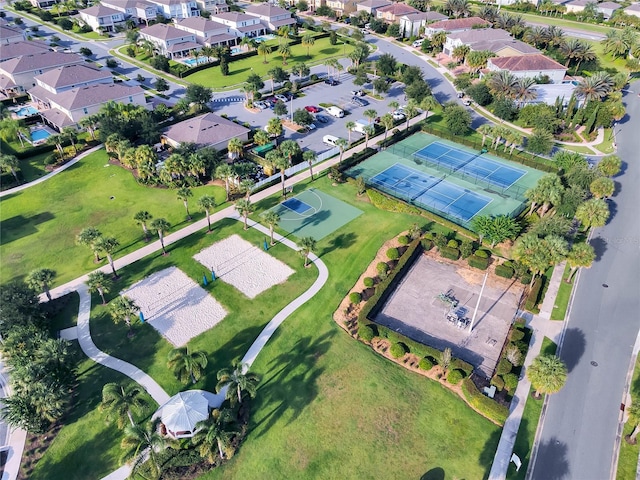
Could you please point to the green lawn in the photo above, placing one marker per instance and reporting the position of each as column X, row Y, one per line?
column 628, row 458
column 563, row 297
column 39, row 224
column 606, row 60
column 31, row 169
column 607, row 143
column 239, row 70
column 66, row 314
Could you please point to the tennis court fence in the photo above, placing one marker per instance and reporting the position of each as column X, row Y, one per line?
column 298, row 168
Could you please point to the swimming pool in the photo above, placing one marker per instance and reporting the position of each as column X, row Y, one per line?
column 26, row 111
column 236, row 50
column 39, row 135
column 192, row 61
column 264, row 38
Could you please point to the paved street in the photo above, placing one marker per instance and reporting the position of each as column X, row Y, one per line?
column 579, row 430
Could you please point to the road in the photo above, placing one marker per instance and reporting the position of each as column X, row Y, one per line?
column 579, row 431
column 572, row 32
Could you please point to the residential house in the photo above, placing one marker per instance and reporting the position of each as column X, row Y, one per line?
column 11, row 35
column 549, row 93
column 17, row 74
column 101, row 18
column 529, row 66
column 506, row 48
column 633, row 10
column 471, row 37
column 342, row 7
column 607, row 9
column 392, row 13
column 43, row 3
column 372, row 6
column 241, row 24
column 456, row 25
column 208, row 130
column 206, row 32
column 412, row 24
column 213, row 6
column 177, row 8
column 141, row 10
column 70, row 106
column 169, row 40
column 271, row 15
column 577, row 6
column 17, row 49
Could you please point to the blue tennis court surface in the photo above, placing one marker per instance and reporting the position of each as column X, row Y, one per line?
column 423, row 189
column 296, row 205
column 472, row 164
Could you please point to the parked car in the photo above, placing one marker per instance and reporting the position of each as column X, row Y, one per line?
column 332, row 81
column 460, row 94
column 312, row 109
column 282, row 98
column 361, row 102
column 311, row 126
column 398, row 115
column 322, row 118
column 357, row 93
column 261, row 105
column 467, row 101
column 335, row 111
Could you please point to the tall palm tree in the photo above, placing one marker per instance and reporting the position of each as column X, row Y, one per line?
column 342, row 144
column 309, row 156
column 502, row 84
column 580, row 255
column 161, row 226
column 142, row 439
column 524, row 91
column 593, row 213
column 184, row 194
column 285, row 51
column 411, row 110
column 225, row 172
column 307, row 245
column 207, row 203
column 427, row 104
column 9, row 163
column 575, row 49
column 370, row 114
column 264, row 50
column 57, row 140
column 369, row 130
column 244, row 208
column 141, row 218
column 99, row 282
column 71, row 135
column 88, row 237
column 616, row 44
column 122, row 309
column 610, row 166
column 547, row 374
column 387, row 122
column 548, row 191
column 272, row 218
column 187, row 365
column 350, row 126
column 40, row 280
column 108, row 245
column 214, row 435
column 460, row 52
column 120, row 401
column 486, row 130
column 237, row 380
column 89, row 123
column 308, row 41
column 595, row 87
column 602, row 187
column 281, row 163
column 235, row 147
column 554, row 36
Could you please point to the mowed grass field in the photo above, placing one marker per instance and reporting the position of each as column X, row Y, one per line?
column 39, row 224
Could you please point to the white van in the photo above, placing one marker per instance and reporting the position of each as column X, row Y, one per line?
column 335, row 112
column 330, row 140
column 417, row 43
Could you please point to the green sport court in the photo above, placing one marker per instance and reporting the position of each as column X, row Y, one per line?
column 448, row 179
column 313, row 213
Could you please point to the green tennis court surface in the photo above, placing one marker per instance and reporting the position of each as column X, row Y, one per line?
column 313, row 213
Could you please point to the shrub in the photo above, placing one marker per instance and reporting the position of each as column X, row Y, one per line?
column 366, row 333
column 483, row 404
column 433, row 353
column 534, row 294
column 398, row 350
column 504, row 367
column 65, row 24
column 403, row 240
column 516, row 335
column 427, row 244
column 368, row 282
column 482, row 254
column 454, row 377
column 476, row 262
column 466, row 248
column 452, row 243
column 450, row 253
column 504, row 271
column 392, row 205
column 525, row 279
column 355, row 297
column 425, row 364
column 393, row 254
column 440, row 240
column 463, row 366
column 111, row 63
column 510, row 382
column 382, row 268
column 498, row 382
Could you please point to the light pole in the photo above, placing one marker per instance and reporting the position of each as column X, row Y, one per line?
column 291, row 106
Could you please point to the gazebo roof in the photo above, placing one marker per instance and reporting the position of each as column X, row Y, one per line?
column 184, row 410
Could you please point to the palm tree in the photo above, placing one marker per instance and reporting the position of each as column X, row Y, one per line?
column 214, row 435
column 370, row 114
column 502, row 84
column 486, row 130
column 289, row 149
column 350, row 125
column 187, row 366
column 633, row 411
column 89, row 124
column 547, row 191
column 602, row 187
column 368, row 131
column 161, row 226
column 40, row 279
column 281, row 163
column 308, row 41
column 140, row 439
column 264, row 49
column 616, row 44
column 580, row 255
column 9, row 163
column 576, row 49
column 393, row 105
column 309, row 156
column 410, row 111
column 307, row 245
column 235, row 147
column 524, row 91
column 387, row 122
column 595, row 87
column 184, row 194
column 341, row 143
column 285, row 51
column 88, row 237
column 122, row 309
column 547, row 374
column 610, row 166
column 460, row 52
column 593, row 213
column 244, row 208
column 99, row 282
column 141, row 218
column 428, row 103
column 57, row 140
column 121, row 400
column 207, row 203
column 272, row 218
column 237, row 380
column 225, row 172
column 71, row 134
column 108, row 245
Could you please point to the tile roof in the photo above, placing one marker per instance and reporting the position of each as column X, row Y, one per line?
column 199, row 24
column 266, row 9
column 495, row 47
column 524, row 63
column 483, row 35
column 164, row 32
column 374, row 3
column 94, row 95
column 252, row 28
column 17, row 49
column 206, row 129
column 459, row 23
column 6, row 82
column 39, row 61
column 72, row 75
column 428, row 16
column 579, row 3
column 100, row 11
column 223, row 37
column 398, row 9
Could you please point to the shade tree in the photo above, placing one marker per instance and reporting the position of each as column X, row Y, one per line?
column 547, row 374
column 40, row 280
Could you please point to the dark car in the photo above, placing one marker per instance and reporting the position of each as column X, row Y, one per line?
column 312, row 109
column 361, row 102
column 322, row 118
column 331, row 81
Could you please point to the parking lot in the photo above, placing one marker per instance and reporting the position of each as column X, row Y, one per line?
column 314, row 95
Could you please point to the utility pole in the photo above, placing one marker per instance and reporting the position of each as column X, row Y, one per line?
column 475, row 312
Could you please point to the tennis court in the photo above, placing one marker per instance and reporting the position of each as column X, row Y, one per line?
column 429, row 191
column 313, row 213
column 473, row 164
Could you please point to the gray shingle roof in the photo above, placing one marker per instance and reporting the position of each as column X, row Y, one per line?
column 94, row 95
column 459, row 23
column 483, row 35
column 17, row 49
column 199, row 24
column 266, row 9
column 164, row 32
column 374, row 3
column 233, row 16
column 6, row 31
column 206, row 129
column 72, row 75
column 39, row 61
column 99, row 11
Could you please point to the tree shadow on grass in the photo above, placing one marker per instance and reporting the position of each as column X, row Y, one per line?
column 485, row 459
column 291, row 383
column 434, row 474
column 342, row 241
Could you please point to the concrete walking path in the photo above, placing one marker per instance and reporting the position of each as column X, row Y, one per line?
column 546, row 309
column 15, row 439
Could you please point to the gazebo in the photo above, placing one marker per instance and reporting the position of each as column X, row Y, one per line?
column 182, row 412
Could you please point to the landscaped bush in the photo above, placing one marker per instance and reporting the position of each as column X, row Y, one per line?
column 440, row 240
column 510, row 382
column 393, row 254
column 525, row 279
column 433, row 353
column 498, row 382
column 466, row 248
column 382, row 268
column 477, row 262
column 504, row 271
column 355, row 297
column 482, row 254
column 403, row 240
column 463, row 366
column 452, row 243
column 489, row 408
column 454, row 377
column 366, row 333
column 504, row 367
column 427, row 244
column 450, row 253
column 398, row 350
column 389, row 204
column 516, row 335
column 425, row 364
column 368, row 282
column 534, row 294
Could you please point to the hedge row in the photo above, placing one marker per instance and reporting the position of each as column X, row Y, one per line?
column 356, row 158
column 450, row 253
column 389, row 204
column 465, row 367
column 504, row 271
column 28, row 153
column 477, row 262
column 489, row 408
column 534, row 294
column 400, row 135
